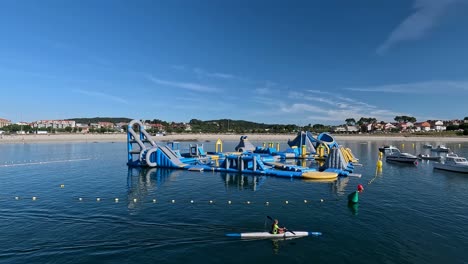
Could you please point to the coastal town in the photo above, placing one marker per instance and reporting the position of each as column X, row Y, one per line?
column 155, row 126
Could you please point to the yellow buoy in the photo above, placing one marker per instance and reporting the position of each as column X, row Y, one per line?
column 379, row 164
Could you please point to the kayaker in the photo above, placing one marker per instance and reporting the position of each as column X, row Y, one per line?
column 275, row 229
column 354, row 196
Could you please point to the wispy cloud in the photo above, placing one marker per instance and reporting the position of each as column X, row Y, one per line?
column 184, row 85
column 263, row 91
column 433, row 87
column 102, row 95
column 332, row 107
column 415, row 26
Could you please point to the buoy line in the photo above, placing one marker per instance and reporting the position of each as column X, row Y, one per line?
column 42, row 162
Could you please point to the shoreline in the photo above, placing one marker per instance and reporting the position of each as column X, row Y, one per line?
column 122, row 137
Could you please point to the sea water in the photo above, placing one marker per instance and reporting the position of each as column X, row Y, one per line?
column 79, row 203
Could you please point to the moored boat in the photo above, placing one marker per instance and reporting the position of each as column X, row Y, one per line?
column 387, row 149
column 441, row 148
column 402, row 157
column 452, row 163
column 429, row 157
column 428, row 146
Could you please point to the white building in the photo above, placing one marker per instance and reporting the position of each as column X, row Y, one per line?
column 54, row 123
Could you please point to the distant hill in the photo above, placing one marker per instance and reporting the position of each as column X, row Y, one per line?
column 100, row 119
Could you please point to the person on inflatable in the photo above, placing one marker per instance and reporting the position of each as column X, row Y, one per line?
column 275, row 229
column 354, row 196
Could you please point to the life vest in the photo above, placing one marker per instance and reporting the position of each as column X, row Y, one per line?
column 274, row 229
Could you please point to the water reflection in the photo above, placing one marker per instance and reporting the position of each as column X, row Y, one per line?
column 141, row 181
column 242, row 182
column 353, row 208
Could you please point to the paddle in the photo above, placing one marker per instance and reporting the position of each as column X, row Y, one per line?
column 286, row 230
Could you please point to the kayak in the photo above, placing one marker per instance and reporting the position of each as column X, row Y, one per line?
column 270, row 235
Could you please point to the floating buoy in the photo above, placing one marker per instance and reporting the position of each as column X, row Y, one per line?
column 16, row 198
column 191, row 201
column 286, row 202
column 80, row 199
column 34, row 198
column 116, row 200
column 135, row 200
column 173, row 201
column 248, row 202
column 321, row 200
column 154, row 200
column 211, row 202
column 98, row 199
column 62, row 185
column 229, row 202
column 305, row 201
column 379, row 164
column 267, row 203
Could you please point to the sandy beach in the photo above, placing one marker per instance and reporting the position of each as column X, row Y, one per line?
column 121, row 137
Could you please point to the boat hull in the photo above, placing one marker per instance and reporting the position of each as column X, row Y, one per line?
column 401, row 160
column 461, row 169
column 270, row 235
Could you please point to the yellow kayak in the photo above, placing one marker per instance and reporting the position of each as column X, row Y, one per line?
column 317, row 175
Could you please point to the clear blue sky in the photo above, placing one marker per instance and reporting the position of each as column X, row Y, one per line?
column 294, row 62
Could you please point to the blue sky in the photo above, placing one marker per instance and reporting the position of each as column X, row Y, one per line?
column 292, row 62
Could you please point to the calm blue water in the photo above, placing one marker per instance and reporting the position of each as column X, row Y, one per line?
column 408, row 214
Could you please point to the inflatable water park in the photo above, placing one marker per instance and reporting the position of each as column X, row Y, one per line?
column 246, row 158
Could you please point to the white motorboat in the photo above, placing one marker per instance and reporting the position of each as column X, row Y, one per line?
column 387, row 149
column 453, row 163
column 428, row 157
column 441, row 148
column 403, row 157
column 428, row 146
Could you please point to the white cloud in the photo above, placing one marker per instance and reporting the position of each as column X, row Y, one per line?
column 415, row 26
column 263, row 91
column 102, row 95
column 203, row 73
column 184, row 85
column 433, row 87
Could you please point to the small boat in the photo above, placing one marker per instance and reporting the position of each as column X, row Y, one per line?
column 456, row 164
column 386, row 149
column 286, row 234
column 428, row 157
column 428, row 146
column 402, row 157
column 441, row 148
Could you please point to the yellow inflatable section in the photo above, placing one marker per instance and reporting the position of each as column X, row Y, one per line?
column 348, row 155
column 317, row 175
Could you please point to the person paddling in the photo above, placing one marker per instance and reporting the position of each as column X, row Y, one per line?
column 354, row 196
column 275, row 229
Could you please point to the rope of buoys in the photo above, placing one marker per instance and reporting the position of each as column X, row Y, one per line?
column 173, row 201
